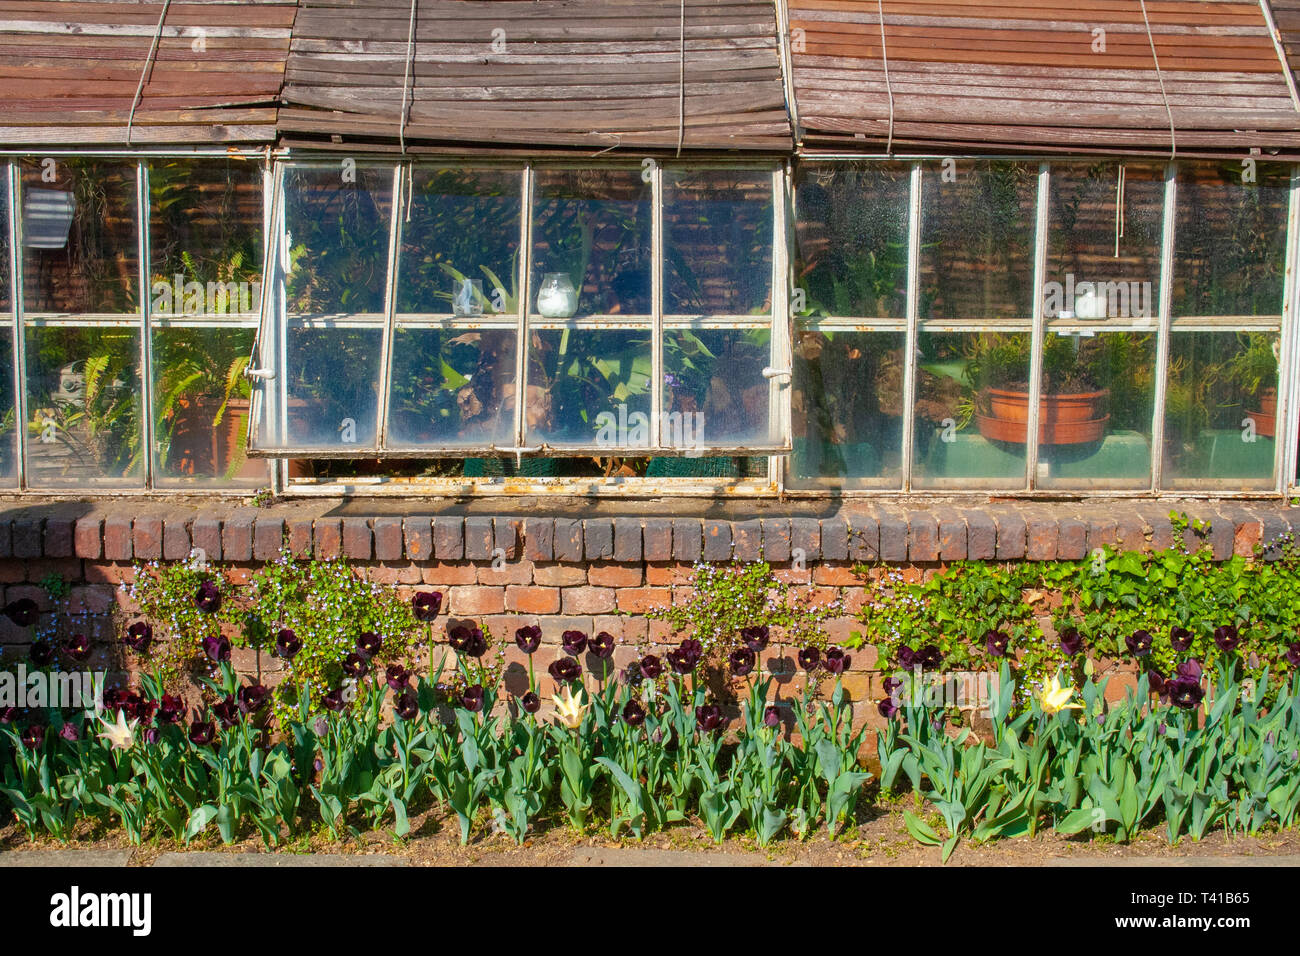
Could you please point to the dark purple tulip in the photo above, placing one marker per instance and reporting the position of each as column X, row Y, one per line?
column 1185, row 693
column 1189, row 669
column 1158, row 683
column 1293, row 654
column 565, row 669
column 1139, row 643
column 1226, row 637
column 407, row 704
column 468, row 639
column 139, row 636
column 397, row 677
column 1180, row 638
column 354, row 665
column 369, row 643
column 152, row 735
column 529, row 638
column 682, row 662
column 217, row 648
column 426, row 605
column 810, row 658
column 634, row 713
column 143, row 710
column 8, row 714
column 755, row 637
column 602, row 645
column 252, row 698
column 472, row 698
column 651, row 666
column 908, row 659
column 41, row 653
column 207, row 598
column 530, row 702
column 22, row 612
column 287, row 644
column 892, row 684
column 771, row 716
column 34, row 736
column 70, row 733
column 333, row 701
column 1071, row 641
column 836, row 661
column 742, row 661
column 171, row 709
column 708, row 717
column 887, row 707
column 929, row 656
column 997, row 642
column 573, row 642
column 227, row 711
column 632, row 675
column 77, row 647
column 202, row 733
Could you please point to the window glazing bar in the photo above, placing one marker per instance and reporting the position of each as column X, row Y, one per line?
column 911, row 340
column 402, row 174
column 1286, row 374
column 1162, row 329
column 524, row 284
column 146, row 332
column 13, row 190
column 656, row 303
column 1037, row 330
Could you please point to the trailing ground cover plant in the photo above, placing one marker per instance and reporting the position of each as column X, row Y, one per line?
column 1147, row 610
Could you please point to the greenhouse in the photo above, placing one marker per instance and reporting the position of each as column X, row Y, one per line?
column 779, row 263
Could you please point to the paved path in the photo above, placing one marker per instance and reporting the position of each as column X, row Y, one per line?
column 582, row 856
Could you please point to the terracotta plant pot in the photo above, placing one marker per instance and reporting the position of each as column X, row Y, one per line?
column 199, row 449
column 1062, row 419
column 1266, row 418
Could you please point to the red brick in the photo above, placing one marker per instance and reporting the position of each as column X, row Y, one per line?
column 476, row 599
column 510, row 572
column 89, row 537
column 533, row 600
column 666, row 573
column 328, row 538
column 792, row 575
column 610, row 575
column 147, row 537
column 117, row 538
column 388, row 539
column 95, row 599
column 559, row 575
column 58, row 537
column 99, row 572
column 836, row 575
column 640, row 600
column 300, row 537
column 357, row 540
column 588, row 600
column 449, row 572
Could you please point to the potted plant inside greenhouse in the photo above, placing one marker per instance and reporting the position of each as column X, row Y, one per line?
column 1074, row 409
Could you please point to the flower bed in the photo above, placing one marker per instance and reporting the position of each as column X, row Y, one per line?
column 386, row 708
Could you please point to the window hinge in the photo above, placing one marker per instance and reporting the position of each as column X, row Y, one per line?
column 781, row 373
column 264, row 374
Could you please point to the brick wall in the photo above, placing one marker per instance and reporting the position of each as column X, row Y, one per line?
column 590, row 573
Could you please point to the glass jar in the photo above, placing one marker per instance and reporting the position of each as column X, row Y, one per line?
column 556, row 297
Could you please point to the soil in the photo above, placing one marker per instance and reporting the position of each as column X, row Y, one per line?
column 876, row 838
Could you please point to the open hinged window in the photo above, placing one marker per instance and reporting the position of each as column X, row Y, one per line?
column 640, row 310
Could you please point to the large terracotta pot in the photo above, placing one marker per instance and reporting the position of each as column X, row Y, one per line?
column 1062, row 419
column 199, row 449
column 1266, row 418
